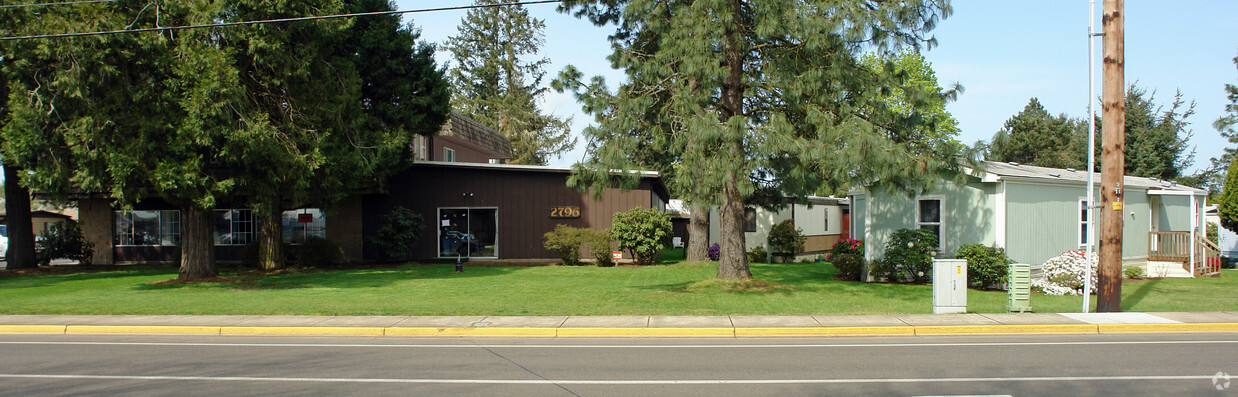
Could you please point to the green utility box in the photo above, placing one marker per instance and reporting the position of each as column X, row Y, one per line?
column 1019, row 285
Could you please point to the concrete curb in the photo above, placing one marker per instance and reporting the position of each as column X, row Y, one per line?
column 580, row 332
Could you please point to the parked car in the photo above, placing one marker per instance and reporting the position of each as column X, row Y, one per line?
column 4, row 242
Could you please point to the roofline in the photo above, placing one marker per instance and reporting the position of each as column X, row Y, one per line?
column 522, row 167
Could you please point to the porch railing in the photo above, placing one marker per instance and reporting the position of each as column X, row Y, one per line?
column 1169, row 246
column 1177, row 246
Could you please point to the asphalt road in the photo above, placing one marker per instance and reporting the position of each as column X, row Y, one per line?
column 1143, row 364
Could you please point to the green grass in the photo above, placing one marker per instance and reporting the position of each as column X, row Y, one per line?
column 678, row 289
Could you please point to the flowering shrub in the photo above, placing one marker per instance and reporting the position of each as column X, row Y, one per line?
column 986, row 266
column 847, row 256
column 909, row 256
column 714, row 251
column 1063, row 275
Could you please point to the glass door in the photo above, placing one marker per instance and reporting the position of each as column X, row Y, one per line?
column 468, row 232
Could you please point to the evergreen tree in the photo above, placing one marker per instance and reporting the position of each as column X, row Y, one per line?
column 1213, row 177
column 1157, row 139
column 495, row 84
column 1035, row 137
column 760, row 97
column 1227, row 208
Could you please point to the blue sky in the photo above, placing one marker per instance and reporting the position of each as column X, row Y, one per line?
column 1002, row 52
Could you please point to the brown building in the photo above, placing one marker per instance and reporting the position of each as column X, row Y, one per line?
column 473, row 205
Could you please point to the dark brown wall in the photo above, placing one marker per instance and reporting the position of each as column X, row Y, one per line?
column 523, row 199
column 466, row 152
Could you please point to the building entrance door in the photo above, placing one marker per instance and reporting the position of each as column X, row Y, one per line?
column 468, row 232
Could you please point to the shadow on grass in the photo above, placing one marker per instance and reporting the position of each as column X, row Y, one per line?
column 1140, row 293
column 44, row 277
column 334, row 278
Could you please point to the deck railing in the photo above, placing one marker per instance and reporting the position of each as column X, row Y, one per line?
column 1177, row 246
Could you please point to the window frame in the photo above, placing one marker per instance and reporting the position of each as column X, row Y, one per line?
column 304, row 229
column 449, row 155
column 941, row 217
column 174, row 231
column 750, row 223
column 1081, row 225
column 438, row 227
column 232, row 227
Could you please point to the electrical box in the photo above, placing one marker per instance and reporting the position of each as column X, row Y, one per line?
column 1019, row 285
column 949, row 286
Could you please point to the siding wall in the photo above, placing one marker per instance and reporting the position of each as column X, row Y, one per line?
column 821, row 224
column 968, row 214
column 344, row 228
column 523, row 199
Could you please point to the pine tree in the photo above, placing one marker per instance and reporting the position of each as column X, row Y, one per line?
column 1227, row 208
column 760, row 98
column 1035, row 137
column 495, row 84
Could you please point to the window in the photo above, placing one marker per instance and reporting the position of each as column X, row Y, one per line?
column 928, row 216
column 419, row 148
column 148, row 227
column 1083, row 222
column 302, row 223
column 468, row 232
column 449, row 155
column 234, row 227
column 750, row 220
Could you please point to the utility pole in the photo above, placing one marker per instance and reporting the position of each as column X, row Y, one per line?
column 1113, row 159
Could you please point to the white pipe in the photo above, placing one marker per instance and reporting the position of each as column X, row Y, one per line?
column 1087, row 272
column 1192, row 244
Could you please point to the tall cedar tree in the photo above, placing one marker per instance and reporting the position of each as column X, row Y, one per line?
column 1227, row 124
column 1035, row 137
column 495, row 84
column 198, row 117
column 760, row 98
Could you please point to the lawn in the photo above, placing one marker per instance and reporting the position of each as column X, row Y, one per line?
column 667, row 289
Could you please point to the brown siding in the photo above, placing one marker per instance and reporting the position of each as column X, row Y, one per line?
column 523, row 199
column 820, row 243
column 466, row 152
column 344, row 228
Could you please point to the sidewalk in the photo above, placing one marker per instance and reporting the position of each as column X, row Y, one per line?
column 630, row 326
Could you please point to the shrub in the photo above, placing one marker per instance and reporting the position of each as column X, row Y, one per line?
column 318, row 252
column 565, row 241
column 643, row 231
column 986, row 266
column 398, row 234
column 1132, row 272
column 758, row 254
column 883, row 269
column 600, row 247
column 786, row 239
column 1063, row 275
column 714, row 251
column 64, row 239
column 1229, row 263
column 909, row 255
column 847, row 256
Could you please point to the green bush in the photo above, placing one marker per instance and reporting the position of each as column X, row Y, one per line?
column 758, row 254
column 601, row 247
column 1132, row 272
column 398, row 235
column 64, row 239
column 986, row 266
column 786, row 239
column 847, row 256
column 1229, row 263
column 318, row 252
column 909, row 255
column 643, row 231
column 565, row 241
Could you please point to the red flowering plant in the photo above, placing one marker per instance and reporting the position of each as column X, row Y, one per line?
column 847, row 255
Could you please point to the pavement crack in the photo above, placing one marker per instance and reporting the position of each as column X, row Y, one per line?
column 526, row 369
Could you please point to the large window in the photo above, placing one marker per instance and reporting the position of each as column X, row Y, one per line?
column 302, row 223
column 148, row 227
column 234, row 227
column 928, row 216
column 468, row 232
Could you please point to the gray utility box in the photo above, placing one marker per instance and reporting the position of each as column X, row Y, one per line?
column 949, row 286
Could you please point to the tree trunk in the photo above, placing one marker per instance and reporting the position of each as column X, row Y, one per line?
column 271, row 237
column 698, row 233
column 21, row 230
column 733, row 258
column 197, row 244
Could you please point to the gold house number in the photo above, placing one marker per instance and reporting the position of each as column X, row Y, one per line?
column 564, row 212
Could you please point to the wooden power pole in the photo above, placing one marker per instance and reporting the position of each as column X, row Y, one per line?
column 1113, row 159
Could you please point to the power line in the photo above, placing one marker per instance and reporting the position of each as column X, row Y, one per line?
column 59, row 3
column 279, row 20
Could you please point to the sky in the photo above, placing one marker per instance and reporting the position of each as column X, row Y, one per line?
column 1002, row 52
